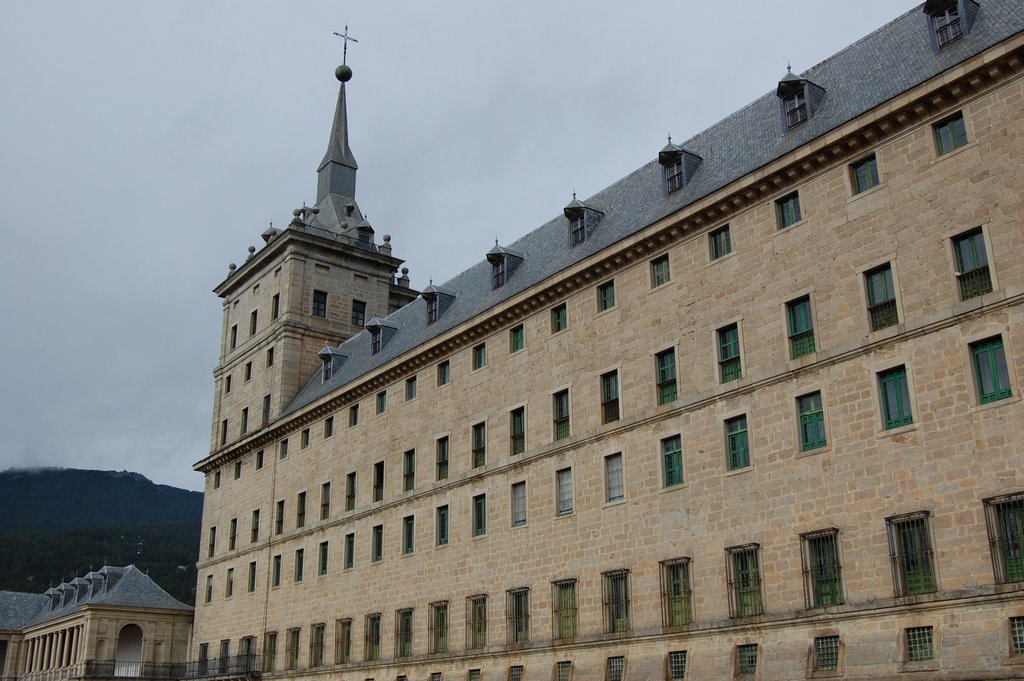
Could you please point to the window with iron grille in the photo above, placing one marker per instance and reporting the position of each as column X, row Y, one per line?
column 325, row 501
column 826, row 652
column 321, row 568
column 473, row 675
column 371, row 637
column 615, row 668
column 947, row 26
column 515, row 673
column 737, row 442
column 563, row 670
column 676, row 663
column 991, row 377
column 300, row 563
column 403, row 632
column 972, row 270
column 559, row 318
column 382, row 401
column 660, row 273
column 615, row 599
column 563, row 606
column 801, row 327
column 275, row 574
column 437, row 627
column 441, row 447
column 377, row 543
column 744, row 574
column 1017, row 635
column 895, row 397
column 350, row 550
column 480, row 356
column 476, row 622
column 350, row 491
column 479, row 443
column 910, row 551
column 665, row 373
column 614, row 483
column 577, row 229
column 319, row 303
column 300, row 510
column 787, row 210
column 316, row 645
column 795, row 108
column 610, row 397
column 444, row 373
column 606, row 296
column 270, row 651
column 729, row 353
column 822, row 568
column 920, row 644
column 518, row 504
column 358, row 313
column 746, row 659
column 564, row 491
column 676, row 596
column 517, row 613
column 560, row 413
column 812, row 421
column 435, row 676
column 479, row 515
column 950, row 134
column 408, row 534
column 343, row 641
column 441, row 525
column 378, row 481
column 864, row 174
column 674, row 177
column 1004, row 517
column 517, row 431
column 672, row 460
column 720, row 242
column 516, row 338
column 291, row 649
column 409, row 470
column 881, row 298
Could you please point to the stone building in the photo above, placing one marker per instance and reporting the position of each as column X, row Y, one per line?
column 752, row 411
column 115, row 622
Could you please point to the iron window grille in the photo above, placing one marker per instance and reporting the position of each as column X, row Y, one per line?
column 720, row 242
column 1004, row 518
column 517, row 431
column 615, row 599
column 660, row 273
column 826, row 652
column 409, row 470
column 316, row 645
column 676, row 663
column 441, row 447
column 371, row 638
column 881, row 298
column 291, row 649
column 476, row 622
column 665, row 368
column 737, row 442
column 564, row 493
column 910, row 553
column 746, row 659
column 560, row 409
column 991, row 376
column 438, row 627
column 676, row 594
column 606, row 296
column 947, row 26
column 895, row 394
column 563, row 605
column 517, row 610
column 615, row 668
column 442, row 525
column 610, row 397
column 343, row 641
column 795, row 107
column 729, row 364
column 787, row 210
column 801, row 327
column 479, row 441
column 403, row 632
column 559, row 318
column 744, row 581
column 822, row 569
column 972, row 271
column 563, row 670
column 1017, row 635
column 920, row 644
column 864, row 174
column 672, row 460
column 812, row 422
column 515, row 672
column 950, row 134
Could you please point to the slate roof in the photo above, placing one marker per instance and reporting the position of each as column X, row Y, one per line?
column 17, row 608
column 871, row 71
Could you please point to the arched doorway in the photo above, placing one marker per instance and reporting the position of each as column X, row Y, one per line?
column 128, row 658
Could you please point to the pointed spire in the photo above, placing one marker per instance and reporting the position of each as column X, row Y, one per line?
column 337, row 171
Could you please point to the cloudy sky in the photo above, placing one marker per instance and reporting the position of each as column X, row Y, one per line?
column 145, row 145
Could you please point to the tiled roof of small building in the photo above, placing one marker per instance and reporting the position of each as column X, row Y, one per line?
column 17, row 608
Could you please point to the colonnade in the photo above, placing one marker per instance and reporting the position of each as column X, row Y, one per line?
column 55, row 650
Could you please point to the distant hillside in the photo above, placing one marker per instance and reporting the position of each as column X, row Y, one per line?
column 41, row 499
column 57, row 524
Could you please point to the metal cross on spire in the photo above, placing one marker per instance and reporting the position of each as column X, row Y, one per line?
column 346, row 37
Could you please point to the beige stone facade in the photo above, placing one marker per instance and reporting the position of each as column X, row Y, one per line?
column 849, row 506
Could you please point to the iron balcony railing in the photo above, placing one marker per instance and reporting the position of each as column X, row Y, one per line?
column 234, row 665
column 121, row 669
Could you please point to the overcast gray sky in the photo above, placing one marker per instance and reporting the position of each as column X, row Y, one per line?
column 145, row 145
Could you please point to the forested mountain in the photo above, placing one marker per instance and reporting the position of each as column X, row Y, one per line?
column 57, row 524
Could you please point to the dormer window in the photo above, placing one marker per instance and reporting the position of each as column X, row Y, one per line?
column 437, row 300
column 950, row 19
column 582, row 219
column 799, row 98
column 947, row 26
column 381, row 332
column 331, row 360
column 796, row 109
column 503, row 264
column 677, row 166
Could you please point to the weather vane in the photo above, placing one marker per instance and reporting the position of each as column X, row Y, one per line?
column 346, row 37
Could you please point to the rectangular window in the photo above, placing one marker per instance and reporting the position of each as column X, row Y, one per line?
column 247, row 372
column 606, row 296
column 660, row 273
column 321, row 567
column 564, row 493
column 1004, row 517
column 438, row 627
column 881, row 298
column 316, row 645
column 1017, row 635
column 229, row 583
column 266, row 409
column 350, row 491
column 672, row 460
column 382, row 401
column 403, row 632
column 270, row 357
column 319, row 304
column 252, row 322
column 737, row 442
column 325, row 501
column 795, row 108
column 343, row 641
column 291, row 649
column 610, row 397
column 283, row 450
column 444, row 371
column 787, row 210
column 895, row 397
column 441, row 447
column 480, row 356
column 498, row 272
column 746, row 659
column 560, row 413
column 614, row 482
column 812, row 421
column 358, row 313
column 517, row 431
column 972, row 271
column 559, row 318
column 991, row 376
column 212, row 543
column 822, row 569
column 353, row 415
column 910, row 552
column 950, row 134
column 676, row 596
column 479, row 515
column 615, row 598
column 254, row 532
column 729, row 353
column 517, row 613
column 408, row 534
column 350, row 550
column 275, row 306
column 516, row 338
column 270, row 651
column 947, row 26
column 563, row 670
column 328, row 427
column 441, row 525
column 377, row 543
column 251, row 582
column 259, row 459
column 515, row 673
column 227, row 384
column 409, row 470
column 665, row 366
column 801, row 327
column 476, row 622
column 920, row 644
column 677, row 664
column 304, row 438
column 615, row 668
column 744, row 581
column 209, row 589
column 300, row 563
column 300, row 510
column 826, row 652
column 223, row 435
column 279, row 517
column 518, row 504
column 864, row 174
column 275, row 574
column 371, row 638
column 234, row 336
column 410, row 388
column 378, row 481
column 720, row 242
column 479, row 443
column 577, row 229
